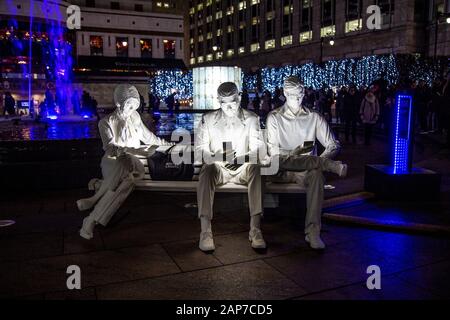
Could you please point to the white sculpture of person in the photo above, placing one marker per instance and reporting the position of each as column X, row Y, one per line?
column 289, row 129
column 122, row 133
column 239, row 127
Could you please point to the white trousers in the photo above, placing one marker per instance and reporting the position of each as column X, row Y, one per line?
column 213, row 175
column 119, row 175
column 307, row 171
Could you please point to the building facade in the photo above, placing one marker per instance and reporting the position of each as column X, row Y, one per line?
column 256, row 33
column 119, row 41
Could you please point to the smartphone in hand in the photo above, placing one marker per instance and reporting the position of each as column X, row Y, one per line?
column 308, row 146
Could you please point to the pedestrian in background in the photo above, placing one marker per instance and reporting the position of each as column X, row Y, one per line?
column 369, row 113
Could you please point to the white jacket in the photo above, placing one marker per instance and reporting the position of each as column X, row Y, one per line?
column 286, row 131
column 370, row 109
column 243, row 132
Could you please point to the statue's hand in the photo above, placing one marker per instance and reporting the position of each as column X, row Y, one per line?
column 228, row 155
column 148, row 151
column 300, row 150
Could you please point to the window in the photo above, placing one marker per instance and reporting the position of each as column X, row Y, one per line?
column 90, row 3
column 328, row 31
column 122, row 47
column 242, row 15
column 256, row 10
column 270, row 44
column 353, row 17
column 353, row 25
column 306, row 16
column 270, row 5
column 96, row 44
column 169, row 49
column 387, row 11
column 287, row 17
column 287, row 40
column 255, row 32
column 146, row 48
column 230, row 40
column 138, row 7
column 254, row 47
column 305, row 36
column 241, row 41
column 353, row 10
column 115, row 5
column 270, row 29
column 328, row 12
column 421, row 11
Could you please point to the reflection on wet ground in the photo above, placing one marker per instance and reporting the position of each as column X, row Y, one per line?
column 16, row 130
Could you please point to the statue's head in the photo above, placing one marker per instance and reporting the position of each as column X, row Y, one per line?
column 294, row 92
column 126, row 99
column 229, row 99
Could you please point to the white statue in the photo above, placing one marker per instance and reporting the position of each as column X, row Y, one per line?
column 229, row 133
column 122, row 134
column 292, row 131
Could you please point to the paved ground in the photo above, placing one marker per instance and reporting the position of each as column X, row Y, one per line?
column 149, row 251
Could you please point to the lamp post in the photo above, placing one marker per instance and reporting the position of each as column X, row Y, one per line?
column 322, row 41
column 321, row 50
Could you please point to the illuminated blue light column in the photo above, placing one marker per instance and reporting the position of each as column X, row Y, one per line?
column 399, row 180
column 403, row 133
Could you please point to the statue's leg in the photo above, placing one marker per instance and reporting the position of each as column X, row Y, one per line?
column 306, row 163
column 113, row 171
column 111, row 202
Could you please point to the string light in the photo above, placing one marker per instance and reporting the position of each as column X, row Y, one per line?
column 167, row 81
column 361, row 72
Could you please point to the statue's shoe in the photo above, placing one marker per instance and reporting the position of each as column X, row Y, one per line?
column 206, row 243
column 257, row 240
column 94, row 184
column 314, row 240
column 343, row 170
column 87, row 230
column 85, row 204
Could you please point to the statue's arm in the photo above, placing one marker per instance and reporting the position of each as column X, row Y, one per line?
column 327, row 139
column 107, row 136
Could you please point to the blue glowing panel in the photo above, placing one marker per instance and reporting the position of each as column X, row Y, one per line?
column 402, row 135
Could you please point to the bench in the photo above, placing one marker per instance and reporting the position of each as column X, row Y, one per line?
column 147, row 184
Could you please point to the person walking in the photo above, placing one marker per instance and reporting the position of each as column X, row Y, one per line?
column 350, row 111
column 369, row 112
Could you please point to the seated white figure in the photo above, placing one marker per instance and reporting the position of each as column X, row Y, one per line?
column 122, row 134
column 289, row 130
column 224, row 138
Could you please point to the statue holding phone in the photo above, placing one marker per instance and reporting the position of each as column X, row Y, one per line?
column 226, row 141
column 292, row 132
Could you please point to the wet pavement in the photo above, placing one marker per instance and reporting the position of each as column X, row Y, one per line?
column 150, row 249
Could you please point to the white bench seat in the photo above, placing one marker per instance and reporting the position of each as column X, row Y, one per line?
column 191, row 186
column 147, row 184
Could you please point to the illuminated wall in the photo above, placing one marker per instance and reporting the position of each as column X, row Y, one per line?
column 207, row 80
